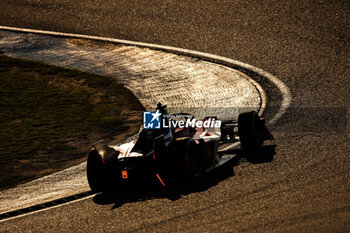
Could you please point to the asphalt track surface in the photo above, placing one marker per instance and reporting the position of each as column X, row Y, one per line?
column 305, row 187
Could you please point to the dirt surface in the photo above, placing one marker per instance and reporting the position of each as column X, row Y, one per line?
column 51, row 115
column 305, row 43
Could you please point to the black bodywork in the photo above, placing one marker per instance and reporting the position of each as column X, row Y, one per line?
column 167, row 154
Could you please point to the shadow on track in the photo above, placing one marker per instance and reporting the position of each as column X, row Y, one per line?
column 264, row 155
column 177, row 189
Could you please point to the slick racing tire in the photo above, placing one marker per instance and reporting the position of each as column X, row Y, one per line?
column 96, row 172
column 250, row 131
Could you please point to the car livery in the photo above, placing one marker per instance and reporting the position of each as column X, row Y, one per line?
column 173, row 152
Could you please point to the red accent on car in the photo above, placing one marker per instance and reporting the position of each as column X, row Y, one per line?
column 187, row 162
column 161, row 181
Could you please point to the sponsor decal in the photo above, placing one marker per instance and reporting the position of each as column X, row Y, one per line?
column 155, row 120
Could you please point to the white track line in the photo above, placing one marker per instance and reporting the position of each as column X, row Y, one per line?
column 48, row 208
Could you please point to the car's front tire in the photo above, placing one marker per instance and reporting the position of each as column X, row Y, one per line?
column 250, row 131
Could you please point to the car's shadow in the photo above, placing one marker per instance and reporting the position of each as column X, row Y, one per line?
column 264, row 155
column 176, row 190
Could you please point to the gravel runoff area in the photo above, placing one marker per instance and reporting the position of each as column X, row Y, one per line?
column 181, row 82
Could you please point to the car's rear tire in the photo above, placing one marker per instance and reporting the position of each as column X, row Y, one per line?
column 250, row 131
column 96, row 172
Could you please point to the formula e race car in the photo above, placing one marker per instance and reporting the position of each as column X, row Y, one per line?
column 174, row 150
